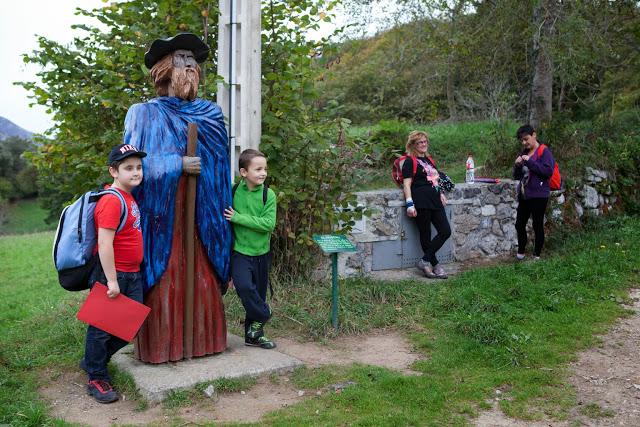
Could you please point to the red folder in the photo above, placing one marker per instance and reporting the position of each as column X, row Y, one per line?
column 120, row 316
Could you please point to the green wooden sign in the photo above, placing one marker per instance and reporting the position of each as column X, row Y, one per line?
column 334, row 243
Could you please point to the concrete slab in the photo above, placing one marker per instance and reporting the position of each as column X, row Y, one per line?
column 452, row 269
column 412, row 273
column 156, row 381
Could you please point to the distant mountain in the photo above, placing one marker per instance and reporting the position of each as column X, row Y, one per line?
column 9, row 129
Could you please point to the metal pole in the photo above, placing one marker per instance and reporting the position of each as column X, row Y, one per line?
column 232, row 87
column 334, row 290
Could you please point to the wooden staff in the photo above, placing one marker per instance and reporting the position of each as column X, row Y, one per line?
column 189, row 246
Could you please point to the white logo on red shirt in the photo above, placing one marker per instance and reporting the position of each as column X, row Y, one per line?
column 136, row 214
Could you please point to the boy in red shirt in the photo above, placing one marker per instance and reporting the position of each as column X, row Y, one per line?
column 118, row 266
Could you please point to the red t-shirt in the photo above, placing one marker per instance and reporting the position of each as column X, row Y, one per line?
column 127, row 243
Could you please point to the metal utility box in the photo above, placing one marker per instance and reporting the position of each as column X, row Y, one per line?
column 405, row 251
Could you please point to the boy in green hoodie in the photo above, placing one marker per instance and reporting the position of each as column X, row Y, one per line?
column 253, row 217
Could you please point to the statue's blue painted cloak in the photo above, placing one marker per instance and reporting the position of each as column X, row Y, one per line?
column 159, row 128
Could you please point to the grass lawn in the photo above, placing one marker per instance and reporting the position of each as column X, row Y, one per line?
column 450, row 145
column 25, row 216
column 513, row 327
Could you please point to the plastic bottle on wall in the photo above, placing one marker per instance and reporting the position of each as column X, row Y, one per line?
column 469, row 178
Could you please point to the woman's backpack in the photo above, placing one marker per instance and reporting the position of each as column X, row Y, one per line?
column 396, row 172
column 555, row 182
column 76, row 238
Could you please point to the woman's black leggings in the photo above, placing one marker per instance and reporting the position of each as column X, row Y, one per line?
column 536, row 209
column 438, row 218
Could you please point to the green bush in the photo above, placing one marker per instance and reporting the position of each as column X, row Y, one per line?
column 310, row 174
column 17, row 176
column 6, row 188
column 310, row 157
column 387, row 141
column 4, row 208
column 610, row 142
column 503, row 149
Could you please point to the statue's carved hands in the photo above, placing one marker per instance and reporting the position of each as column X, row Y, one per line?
column 191, row 165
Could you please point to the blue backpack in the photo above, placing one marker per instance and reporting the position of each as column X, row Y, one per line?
column 76, row 238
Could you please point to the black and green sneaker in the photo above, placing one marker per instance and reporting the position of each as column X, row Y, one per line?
column 262, row 342
column 256, row 329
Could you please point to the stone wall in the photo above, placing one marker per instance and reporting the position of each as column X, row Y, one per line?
column 595, row 196
column 483, row 223
column 482, row 217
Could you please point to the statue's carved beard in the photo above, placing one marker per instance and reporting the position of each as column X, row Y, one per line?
column 184, row 82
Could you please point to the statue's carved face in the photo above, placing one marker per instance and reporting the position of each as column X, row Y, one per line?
column 177, row 74
column 184, row 59
column 185, row 77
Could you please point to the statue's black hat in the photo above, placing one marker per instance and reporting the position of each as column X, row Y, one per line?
column 188, row 41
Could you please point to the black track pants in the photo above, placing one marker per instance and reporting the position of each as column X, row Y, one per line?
column 531, row 208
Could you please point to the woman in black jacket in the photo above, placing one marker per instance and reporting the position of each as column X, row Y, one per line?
column 425, row 202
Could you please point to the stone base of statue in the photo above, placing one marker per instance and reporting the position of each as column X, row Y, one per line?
column 156, row 381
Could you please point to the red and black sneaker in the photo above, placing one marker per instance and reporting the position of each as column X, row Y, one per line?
column 102, row 391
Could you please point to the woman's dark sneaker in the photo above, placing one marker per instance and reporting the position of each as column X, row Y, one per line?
column 262, row 342
column 102, row 391
column 425, row 268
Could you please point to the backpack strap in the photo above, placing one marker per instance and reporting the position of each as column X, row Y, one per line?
column 415, row 163
column 540, row 150
column 265, row 191
column 124, row 210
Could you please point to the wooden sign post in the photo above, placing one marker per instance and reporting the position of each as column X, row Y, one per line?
column 189, row 246
column 334, row 244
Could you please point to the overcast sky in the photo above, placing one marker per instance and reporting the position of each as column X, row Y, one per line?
column 20, row 21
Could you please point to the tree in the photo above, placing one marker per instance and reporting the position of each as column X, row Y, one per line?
column 17, row 175
column 541, row 95
column 89, row 85
column 454, row 60
column 309, row 155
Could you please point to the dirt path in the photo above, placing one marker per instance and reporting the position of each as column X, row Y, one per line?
column 68, row 399
column 609, row 375
column 386, row 349
column 606, row 379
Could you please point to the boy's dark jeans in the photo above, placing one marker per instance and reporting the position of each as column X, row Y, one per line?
column 100, row 345
column 251, row 279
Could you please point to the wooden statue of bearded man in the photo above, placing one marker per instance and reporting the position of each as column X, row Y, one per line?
column 159, row 128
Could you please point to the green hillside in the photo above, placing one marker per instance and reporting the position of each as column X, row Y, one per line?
column 25, row 216
column 477, row 62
